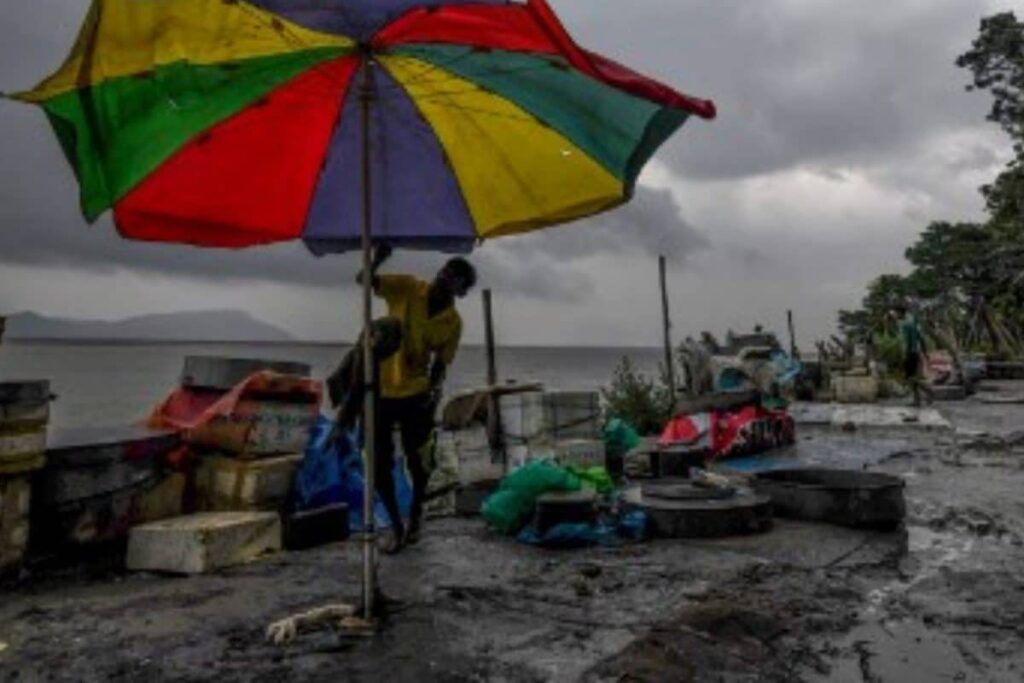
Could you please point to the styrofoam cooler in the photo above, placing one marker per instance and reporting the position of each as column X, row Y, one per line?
column 580, row 453
column 24, row 416
column 855, row 389
column 15, row 500
column 224, row 484
column 469, row 452
column 523, row 425
column 537, row 416
column 572, row 415
column 257, row 428
column 522, row 417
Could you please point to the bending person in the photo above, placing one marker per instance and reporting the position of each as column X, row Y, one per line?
column 411, row 379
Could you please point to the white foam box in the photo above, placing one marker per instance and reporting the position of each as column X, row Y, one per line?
column 224, row 483
column 855, row 389
column 572, row 414
column 164, row 500
column 15, row 499
column 258, row 428
column 200, row 543
column 522, row 417
column 580, row 453
column 468, row 452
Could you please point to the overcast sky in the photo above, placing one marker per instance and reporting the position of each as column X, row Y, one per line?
column 844, row 128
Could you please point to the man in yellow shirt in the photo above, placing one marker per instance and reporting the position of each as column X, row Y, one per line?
column 411, row 379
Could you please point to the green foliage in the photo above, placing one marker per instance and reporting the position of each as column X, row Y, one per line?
column 996, row 62
column 956, row 257
column 888, row 349
column 643, row 402
column 876, row 313
column 968, row 278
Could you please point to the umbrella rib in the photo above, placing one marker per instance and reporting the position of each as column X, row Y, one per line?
column 481, row 72
column 289, row 36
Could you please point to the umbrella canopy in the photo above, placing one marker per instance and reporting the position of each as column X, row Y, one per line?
column 420, row 123
column 225, row 123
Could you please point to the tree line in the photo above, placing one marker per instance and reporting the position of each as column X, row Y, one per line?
column 967, row 279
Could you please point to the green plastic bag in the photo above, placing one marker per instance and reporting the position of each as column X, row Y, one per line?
column 596, row 478
column 510, row 509
column 620, row 437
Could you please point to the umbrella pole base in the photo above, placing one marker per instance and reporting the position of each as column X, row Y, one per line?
column 358, row 627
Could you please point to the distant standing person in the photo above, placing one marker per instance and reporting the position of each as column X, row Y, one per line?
column 411, row 379
column 914, row 350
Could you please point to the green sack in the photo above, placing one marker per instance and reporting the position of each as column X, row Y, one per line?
column 510, row 509
column 596, row 478
column 620, row 437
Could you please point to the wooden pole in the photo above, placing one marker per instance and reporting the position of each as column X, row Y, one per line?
column 667, row 326
column 492, row 364
column 792, row 335
column 494, row 429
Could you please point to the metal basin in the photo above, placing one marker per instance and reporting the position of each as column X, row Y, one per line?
column 844, row 497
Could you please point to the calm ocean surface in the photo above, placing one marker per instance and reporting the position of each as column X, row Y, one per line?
column 104, row 384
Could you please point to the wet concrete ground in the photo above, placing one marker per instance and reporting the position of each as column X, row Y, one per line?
column 941, row 600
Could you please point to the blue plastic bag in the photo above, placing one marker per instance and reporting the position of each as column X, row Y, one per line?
column 332, row 472
column 562, row 536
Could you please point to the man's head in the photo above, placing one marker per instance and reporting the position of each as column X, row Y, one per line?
column 457, row 277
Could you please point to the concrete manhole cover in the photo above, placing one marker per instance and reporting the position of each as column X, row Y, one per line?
column 685, row 490
column 743, row 512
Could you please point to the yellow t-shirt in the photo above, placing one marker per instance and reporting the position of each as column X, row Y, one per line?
column 407, row 372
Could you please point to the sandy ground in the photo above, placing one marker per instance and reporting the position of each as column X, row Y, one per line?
column 940, row 600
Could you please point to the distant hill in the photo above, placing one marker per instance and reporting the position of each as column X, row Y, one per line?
column 227, row 325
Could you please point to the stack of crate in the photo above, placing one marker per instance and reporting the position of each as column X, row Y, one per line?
column 250, row 456
column 24, row 417
column 562, row 425
column 573, row 420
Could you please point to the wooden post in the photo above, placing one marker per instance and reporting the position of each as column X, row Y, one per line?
column 494, row 430
column 667, row 325
column 792, row 335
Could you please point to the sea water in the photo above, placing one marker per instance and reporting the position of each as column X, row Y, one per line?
column 100, row 384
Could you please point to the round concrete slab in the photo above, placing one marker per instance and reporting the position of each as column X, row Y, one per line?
column 684, row 489
column 744, row 512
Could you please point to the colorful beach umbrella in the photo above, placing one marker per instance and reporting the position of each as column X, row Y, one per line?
column 430, row 124
column 224, row 123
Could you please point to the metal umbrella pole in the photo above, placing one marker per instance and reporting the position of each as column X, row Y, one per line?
column 369, row 373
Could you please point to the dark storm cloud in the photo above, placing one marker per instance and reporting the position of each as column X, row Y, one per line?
column 651, row 224
column 835, row 87
column 796, row 82
column 546, row 264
